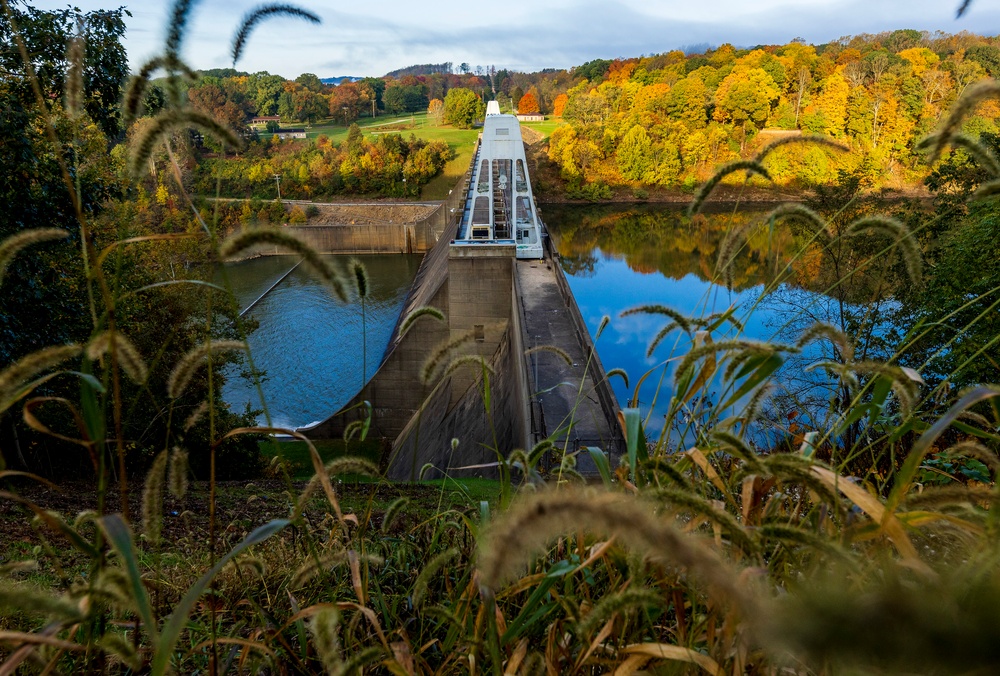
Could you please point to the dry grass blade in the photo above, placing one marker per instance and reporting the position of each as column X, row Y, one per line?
column 874, row 508
column 516, row 536
column 900, row 234
column 665, row 651
column 749, row 166
column 252, row 18
column 124, row 351
column 11, row 246
column 17, row 374
column 248, row 239
column 169, row 121
column 809, row 139
column 180, row 377
column 423, row 311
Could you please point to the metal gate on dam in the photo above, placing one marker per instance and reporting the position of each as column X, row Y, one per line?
column 503, row 295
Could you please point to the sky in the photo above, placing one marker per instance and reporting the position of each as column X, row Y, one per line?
column 371, row 39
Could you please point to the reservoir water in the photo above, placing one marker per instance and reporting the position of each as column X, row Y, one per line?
column 308, row 343
column 615, row 258
column 619, row 257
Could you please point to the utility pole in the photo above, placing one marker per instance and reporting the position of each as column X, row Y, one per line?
column 277, row 181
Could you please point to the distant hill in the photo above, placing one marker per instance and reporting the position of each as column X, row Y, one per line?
column 422, row 69
column 338, row 80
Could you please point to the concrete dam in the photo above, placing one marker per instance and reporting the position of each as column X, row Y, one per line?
column 457, row 396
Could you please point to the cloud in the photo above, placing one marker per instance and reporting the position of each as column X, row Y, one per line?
column 526, row 35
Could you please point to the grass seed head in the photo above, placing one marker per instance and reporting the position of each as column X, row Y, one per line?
column 123, row 349
column 18, row 374
column 248, row 239
column 255, row 16
column 11, row 246
column 180, row 377
column 423, row 311
column 152, row 498
column 749, row 166
column 179, row 469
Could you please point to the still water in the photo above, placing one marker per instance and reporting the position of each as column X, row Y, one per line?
column 615, row 258
column 620, row 257
column 308, row 343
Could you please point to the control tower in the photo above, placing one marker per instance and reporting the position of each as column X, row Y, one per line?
column 499, row 206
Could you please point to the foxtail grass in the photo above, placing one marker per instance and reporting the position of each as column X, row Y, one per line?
column 13, row 245
column 259, row 14
column 749, row 166
column 123, row 349
column 412, row 317
column 248, row 239
column 182, row 373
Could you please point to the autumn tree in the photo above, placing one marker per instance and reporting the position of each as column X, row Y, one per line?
column 745, row 98
column 528, row 105
column 634, row 154
column 435, row 111
column 559, row 105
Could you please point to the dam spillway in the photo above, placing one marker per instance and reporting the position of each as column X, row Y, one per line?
column 501, row 292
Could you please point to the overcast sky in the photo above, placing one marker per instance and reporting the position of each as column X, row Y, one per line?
column 372, row 38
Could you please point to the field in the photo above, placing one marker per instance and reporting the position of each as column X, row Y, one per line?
column 461, row 141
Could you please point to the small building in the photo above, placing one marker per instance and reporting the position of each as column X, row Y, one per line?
column 531, row 117
column 290, row 133
column 264, row 119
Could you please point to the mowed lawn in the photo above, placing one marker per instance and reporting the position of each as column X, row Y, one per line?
column 461, row 141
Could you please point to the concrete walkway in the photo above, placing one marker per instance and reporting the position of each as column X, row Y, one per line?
column 559, row 406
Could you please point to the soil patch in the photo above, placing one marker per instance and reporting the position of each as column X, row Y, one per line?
column 370, row 213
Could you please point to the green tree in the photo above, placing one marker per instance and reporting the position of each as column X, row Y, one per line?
column 462, row 107
column 634, row 154
column 46, row 35
column 311, row 82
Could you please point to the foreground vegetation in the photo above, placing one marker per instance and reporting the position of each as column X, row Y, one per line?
column 859, row 543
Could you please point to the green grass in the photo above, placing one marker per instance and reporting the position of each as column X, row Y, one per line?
column 470, row 490
column 461, row 141
column 544, row 128
column 297, row 453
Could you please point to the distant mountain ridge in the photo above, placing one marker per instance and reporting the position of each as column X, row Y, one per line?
column 338, row 80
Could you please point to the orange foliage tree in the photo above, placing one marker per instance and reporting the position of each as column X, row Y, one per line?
column 559, row 105
column 528, row 105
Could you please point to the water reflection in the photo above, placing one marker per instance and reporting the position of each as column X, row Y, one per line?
column 621, row 257
column 308, row 343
